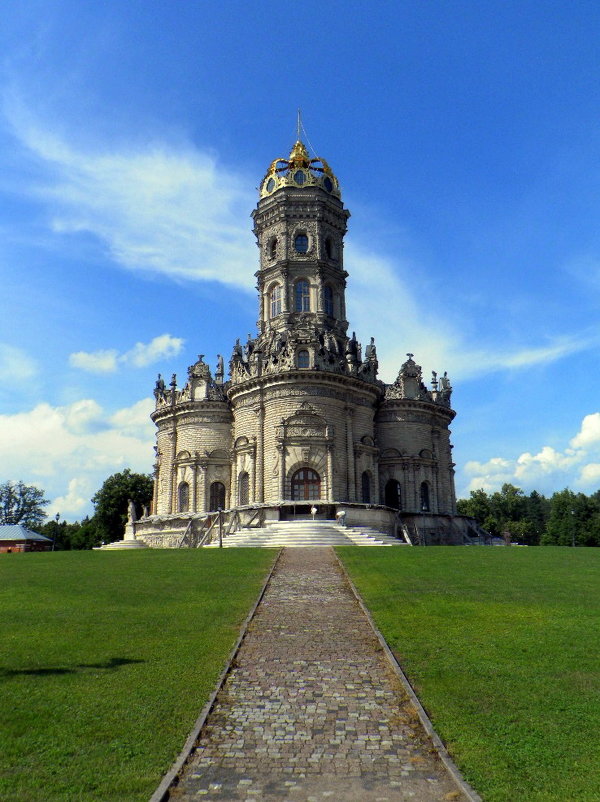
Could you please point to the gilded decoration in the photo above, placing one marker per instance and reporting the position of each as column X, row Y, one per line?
column 299, row 170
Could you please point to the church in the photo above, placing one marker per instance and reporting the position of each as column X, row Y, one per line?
column 301, row 425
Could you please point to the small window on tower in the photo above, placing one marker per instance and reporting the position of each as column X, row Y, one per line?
column 329, row 248
column 302, row 293
column 301, row 243
column 328, row 300
column 276, row 300
column 303, row 359
column 273, row 249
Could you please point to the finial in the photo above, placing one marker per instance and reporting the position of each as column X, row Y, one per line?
column 410, row 356
column 298, row 125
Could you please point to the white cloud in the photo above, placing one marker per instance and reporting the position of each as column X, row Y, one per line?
column 160, row 208
column 141, row 355
column 135, row 420
column 70, row 450
column 590, row 474
column 95, row 361
column 16, row 366
column 74, row 502
column 577, row 466
column 589, row 434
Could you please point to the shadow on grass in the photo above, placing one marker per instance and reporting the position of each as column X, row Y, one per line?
column 109, row 665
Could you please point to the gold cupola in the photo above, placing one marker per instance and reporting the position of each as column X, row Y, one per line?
column 299, row 171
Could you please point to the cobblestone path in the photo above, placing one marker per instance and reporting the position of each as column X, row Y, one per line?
column 311, row 709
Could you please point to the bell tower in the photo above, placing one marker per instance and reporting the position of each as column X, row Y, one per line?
column 299, row 223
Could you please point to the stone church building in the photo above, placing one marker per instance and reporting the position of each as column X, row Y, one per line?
column 301, row 420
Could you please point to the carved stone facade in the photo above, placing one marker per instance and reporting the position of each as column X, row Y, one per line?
column 303, row 417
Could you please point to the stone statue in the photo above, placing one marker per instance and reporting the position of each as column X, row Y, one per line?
column 131, row 517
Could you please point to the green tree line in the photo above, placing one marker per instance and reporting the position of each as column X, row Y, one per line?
column 564, row 519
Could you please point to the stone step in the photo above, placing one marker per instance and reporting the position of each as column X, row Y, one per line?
column 305, row 534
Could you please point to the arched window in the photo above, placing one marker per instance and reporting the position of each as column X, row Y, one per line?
column 328, row 300
column 303, row 359
column 276, row 300
column 301, row 243
column 424, row 497
column 306, row 485
column 183, row 497
column 366, row 487
column 217, row 496
column 302, row 296
column 244, row 488
column 273, row 249
column 393, row 495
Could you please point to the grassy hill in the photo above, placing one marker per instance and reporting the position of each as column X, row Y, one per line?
column 106, row 659
column 502, row 646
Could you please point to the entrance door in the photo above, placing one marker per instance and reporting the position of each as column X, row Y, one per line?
column 217, row 496
column 306, row 485
column 392, row 494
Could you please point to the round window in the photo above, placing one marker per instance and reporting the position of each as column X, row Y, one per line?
column 299, row 177
column 328, row 183
column 270, row 185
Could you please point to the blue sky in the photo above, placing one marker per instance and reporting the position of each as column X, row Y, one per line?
column 465, row 135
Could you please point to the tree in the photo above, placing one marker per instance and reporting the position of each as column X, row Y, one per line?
column 570, row 516
column 110, row 503
column 476, row 506
column 22, row 504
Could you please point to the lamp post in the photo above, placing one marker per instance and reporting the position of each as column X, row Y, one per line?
column 55, row 529
column 572, row 528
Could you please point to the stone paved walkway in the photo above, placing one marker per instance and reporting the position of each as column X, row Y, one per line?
column 311, row 709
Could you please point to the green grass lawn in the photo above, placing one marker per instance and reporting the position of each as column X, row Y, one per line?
column 106, row 659
column 502, row 646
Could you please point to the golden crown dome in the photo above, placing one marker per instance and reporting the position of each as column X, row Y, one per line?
column 299, row 170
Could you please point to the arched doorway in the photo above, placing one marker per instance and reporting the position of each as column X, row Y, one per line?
column 424, row 497
column 306, row 485
column 366, row 487
column 217, row 496
column 393, row 495
column 244, row 488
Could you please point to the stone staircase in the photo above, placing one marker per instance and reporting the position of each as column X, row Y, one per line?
column 306, row 534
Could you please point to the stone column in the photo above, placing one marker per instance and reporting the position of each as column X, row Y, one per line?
column 235, row 472
column 343, row 302
column 173, row 438
column 412, row 488
column 350, row 472
column 376, row 495
column 329, row 471
column 202, row 489
column 194, row 487
column 282, row 472
column 260, row 457
column 285, row 290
